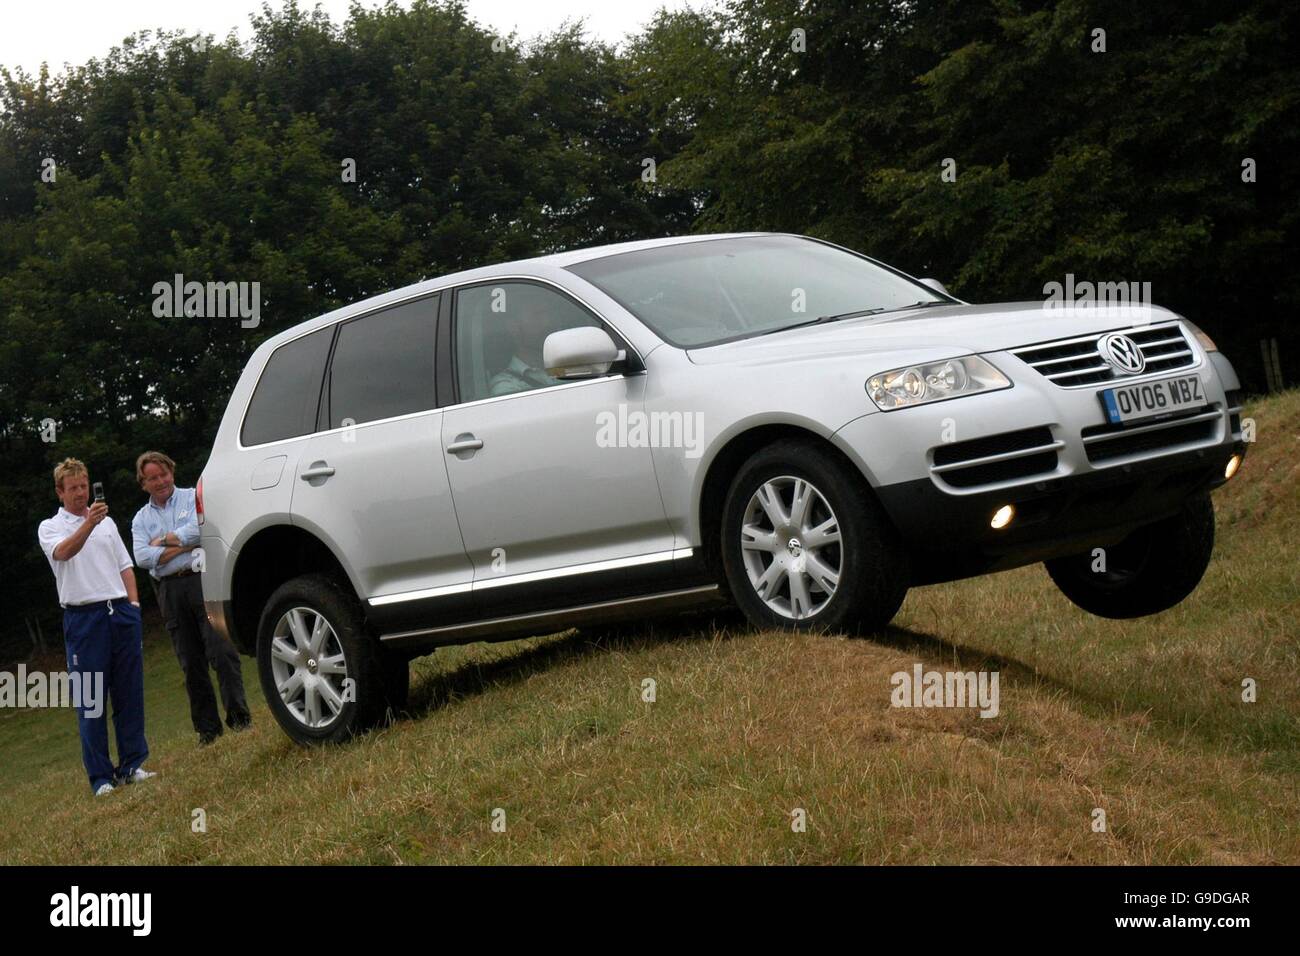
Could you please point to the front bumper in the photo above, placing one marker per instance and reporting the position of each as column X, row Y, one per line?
column 1076, row 482
column 950, row 537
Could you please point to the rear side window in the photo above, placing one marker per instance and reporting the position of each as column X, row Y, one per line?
column 287, row 395
column 383, row 365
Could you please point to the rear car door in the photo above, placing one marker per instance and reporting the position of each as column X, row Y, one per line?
column 373, row 482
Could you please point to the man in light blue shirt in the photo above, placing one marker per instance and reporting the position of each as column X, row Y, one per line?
column 165, row 534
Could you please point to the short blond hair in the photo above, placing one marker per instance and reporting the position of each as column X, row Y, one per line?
column 68, row 468
column 152, row 458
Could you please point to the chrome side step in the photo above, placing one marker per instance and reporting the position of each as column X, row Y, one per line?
column 546, row 622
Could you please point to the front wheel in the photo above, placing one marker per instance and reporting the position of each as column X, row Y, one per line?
column 324, row 677
column 1151, row 570
column 805, row 546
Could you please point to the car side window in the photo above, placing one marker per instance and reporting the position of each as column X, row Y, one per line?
column 286, row 398
column 383, row 364
column 500, row 329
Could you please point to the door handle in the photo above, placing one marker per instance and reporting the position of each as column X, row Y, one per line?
column 465, row 442
column 318, row 469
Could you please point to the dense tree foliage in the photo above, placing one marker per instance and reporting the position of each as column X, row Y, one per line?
column 1115, row 156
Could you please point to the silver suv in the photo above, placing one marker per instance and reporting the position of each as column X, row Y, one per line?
column 767, row 420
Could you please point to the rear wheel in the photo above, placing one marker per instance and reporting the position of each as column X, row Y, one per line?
column 324, row 677
column 1151, row 570
column 805, row 546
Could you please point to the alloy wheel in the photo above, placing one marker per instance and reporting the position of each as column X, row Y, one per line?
column 790, row 540
column 309, row 667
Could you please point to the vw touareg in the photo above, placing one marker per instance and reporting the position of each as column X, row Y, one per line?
column 768, row 420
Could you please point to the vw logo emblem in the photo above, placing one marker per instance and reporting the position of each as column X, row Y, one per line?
column 1122, row 353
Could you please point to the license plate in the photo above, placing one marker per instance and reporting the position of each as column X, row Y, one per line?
column 1132, row 402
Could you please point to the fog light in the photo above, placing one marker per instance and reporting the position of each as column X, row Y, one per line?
column 1002, row 517
column 1233, row 464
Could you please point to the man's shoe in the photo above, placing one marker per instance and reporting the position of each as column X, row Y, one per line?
column 104, row 788
column 139, row 775
column 242, row 724
column 205, row 739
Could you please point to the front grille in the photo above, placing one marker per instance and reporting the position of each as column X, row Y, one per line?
column 996, row 458
column 1075, row 363
column 1107, row 442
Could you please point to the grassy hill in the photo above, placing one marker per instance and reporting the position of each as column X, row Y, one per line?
column 1142, row 719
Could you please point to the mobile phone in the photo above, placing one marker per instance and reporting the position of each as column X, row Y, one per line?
column 98, row 489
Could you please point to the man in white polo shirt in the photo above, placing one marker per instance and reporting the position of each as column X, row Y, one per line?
column 101, row 625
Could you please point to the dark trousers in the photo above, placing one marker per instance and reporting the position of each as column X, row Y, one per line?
column 106, row 638
column 198, row 646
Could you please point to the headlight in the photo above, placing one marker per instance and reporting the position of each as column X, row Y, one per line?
column 1207, row 343
column 934, row 381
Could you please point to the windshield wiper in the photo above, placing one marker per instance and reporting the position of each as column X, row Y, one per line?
column 923, row 305
column 822, row 319
column 900, row 308
column 819, row 321
column 845, row 315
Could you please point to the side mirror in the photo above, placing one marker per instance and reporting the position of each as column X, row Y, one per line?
column 936, row 285
column 585, row 352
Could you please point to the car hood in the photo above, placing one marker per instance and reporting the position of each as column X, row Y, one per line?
column 935, row 333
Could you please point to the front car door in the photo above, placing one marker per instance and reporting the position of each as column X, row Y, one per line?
column 554, row 505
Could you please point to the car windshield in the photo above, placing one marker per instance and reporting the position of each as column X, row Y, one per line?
column 695, row 294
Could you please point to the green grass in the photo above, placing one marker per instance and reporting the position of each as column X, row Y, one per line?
column 1143, row 719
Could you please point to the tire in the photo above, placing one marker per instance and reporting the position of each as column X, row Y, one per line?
column 346, row 651
column 872, row 568
column 1150, row 571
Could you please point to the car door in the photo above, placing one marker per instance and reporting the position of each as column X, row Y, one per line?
column 544, row 496
column 374, row 482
